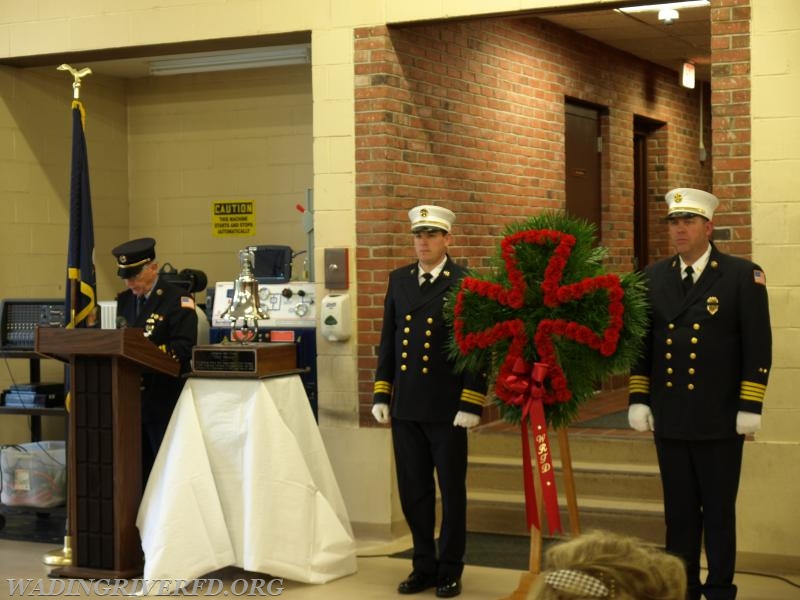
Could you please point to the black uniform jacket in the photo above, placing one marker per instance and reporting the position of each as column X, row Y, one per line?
column 169, row 321
column 414, row 372
column 708, row 354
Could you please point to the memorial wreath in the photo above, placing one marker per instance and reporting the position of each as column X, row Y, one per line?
column 549, row 323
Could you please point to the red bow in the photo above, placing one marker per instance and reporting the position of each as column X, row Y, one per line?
column 525, row 384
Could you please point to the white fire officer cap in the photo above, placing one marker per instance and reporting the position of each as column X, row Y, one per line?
column 431, row 218
column 688, row 202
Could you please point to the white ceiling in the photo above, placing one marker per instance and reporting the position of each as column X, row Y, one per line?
column 642, row 34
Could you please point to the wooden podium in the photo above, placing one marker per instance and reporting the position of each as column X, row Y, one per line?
column 104, row 450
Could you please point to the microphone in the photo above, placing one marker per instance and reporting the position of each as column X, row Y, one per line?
column 122, row 322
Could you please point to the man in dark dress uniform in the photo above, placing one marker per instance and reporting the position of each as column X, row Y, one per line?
column 700, row 386
column 431, row 406
column 167, row 315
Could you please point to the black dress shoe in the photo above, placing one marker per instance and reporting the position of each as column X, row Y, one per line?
column 415, row 583
column 448, row 588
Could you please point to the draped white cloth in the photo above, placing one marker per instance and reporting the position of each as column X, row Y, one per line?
column 243, row 479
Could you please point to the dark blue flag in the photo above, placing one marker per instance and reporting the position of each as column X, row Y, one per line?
column 81, row 300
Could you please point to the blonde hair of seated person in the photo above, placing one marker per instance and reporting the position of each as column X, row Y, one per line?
column 606, row 565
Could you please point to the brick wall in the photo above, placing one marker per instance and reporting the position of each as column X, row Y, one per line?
column 470, row 114
column 730, row 109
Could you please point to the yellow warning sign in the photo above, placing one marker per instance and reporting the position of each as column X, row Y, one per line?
column 231, row 218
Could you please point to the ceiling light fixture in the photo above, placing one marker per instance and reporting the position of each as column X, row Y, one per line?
column 668, row 16
column 665, row 5
column 229, row 60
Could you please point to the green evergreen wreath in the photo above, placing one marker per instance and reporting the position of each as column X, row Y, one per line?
column 548, row 299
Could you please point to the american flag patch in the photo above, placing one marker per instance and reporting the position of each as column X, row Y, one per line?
column 759, row 277
column 187, row 302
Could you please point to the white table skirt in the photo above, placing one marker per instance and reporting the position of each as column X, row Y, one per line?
column 243, row 479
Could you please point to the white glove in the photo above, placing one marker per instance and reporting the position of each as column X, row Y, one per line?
column 380, row 410
column 747, row 422
column 466, row 419
column 640, row 417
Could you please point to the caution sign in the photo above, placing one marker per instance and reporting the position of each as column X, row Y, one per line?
column 233, row 218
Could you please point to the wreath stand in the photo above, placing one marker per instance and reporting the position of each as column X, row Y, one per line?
column 527, row 579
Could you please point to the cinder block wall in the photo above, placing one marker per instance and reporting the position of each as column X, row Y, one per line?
column 160, row 151
column 197, row 139
column 36, row 134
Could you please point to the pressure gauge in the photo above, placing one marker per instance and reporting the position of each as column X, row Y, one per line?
column 301, row 310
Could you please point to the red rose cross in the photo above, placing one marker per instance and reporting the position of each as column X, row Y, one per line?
column 554, row 295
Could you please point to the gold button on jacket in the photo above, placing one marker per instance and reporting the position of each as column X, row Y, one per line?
column 414, row 372
column 709, row 352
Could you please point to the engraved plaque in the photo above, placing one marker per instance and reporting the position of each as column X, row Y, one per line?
column 244, row 360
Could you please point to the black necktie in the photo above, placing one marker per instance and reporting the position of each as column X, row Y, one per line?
column 426, row 285
column 140, row 300
column 687, row 281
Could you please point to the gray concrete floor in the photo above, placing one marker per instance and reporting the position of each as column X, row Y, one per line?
column 377, row 577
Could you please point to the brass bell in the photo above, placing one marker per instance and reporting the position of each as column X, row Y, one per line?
column 244, row 311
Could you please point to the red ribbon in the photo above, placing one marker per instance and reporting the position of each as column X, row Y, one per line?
column 527, row 387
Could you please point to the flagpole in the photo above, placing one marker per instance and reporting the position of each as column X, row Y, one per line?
column 63, row 557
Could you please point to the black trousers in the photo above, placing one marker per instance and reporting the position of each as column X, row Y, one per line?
column 701, row 481
column 419, row 449
column 160, row 394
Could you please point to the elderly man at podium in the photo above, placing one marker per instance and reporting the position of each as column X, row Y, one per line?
column 167, row 315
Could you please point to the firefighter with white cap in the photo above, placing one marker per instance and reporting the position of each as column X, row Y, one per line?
column 700, row 385
column 431, row 405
